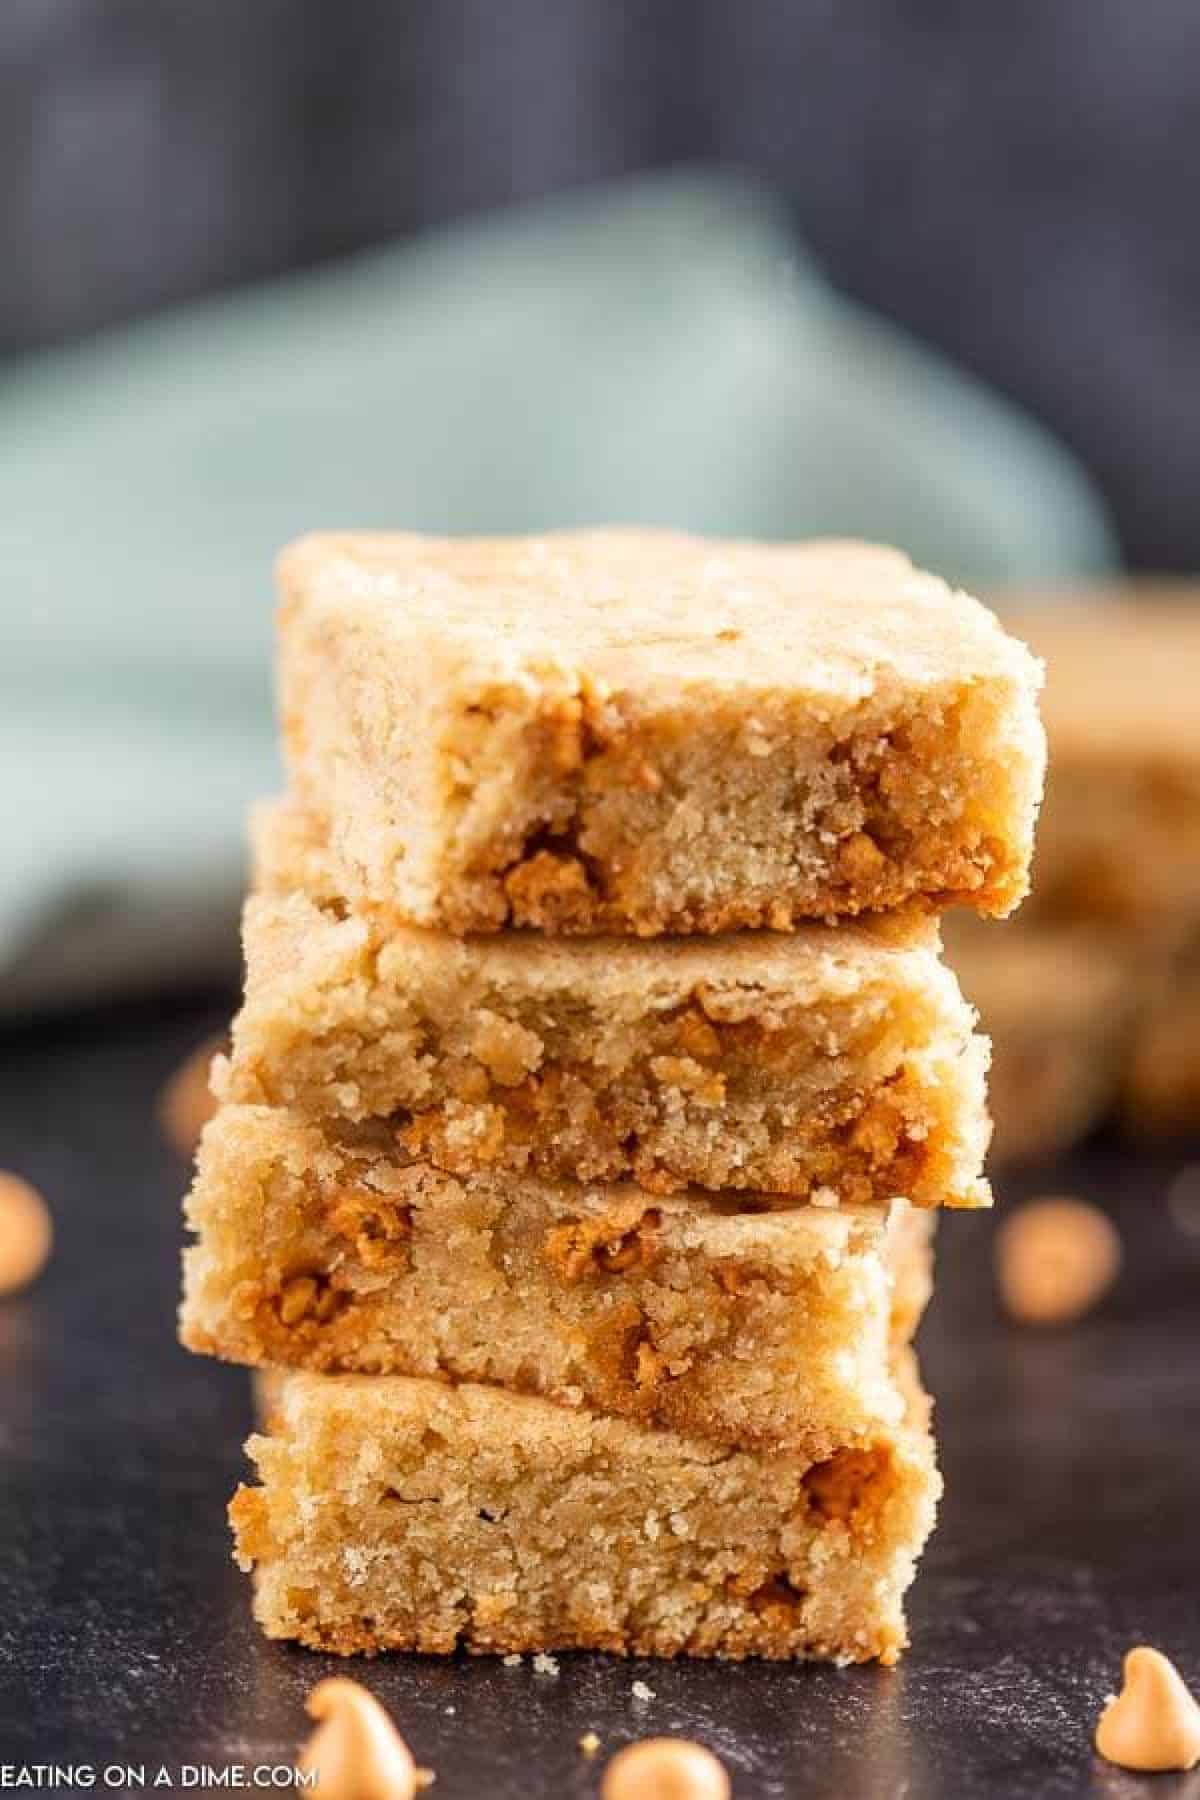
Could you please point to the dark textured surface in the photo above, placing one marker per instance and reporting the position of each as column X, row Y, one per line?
column 1070, row 1531
column 1015, row 182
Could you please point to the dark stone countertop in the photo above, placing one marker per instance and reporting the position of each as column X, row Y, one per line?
column 1070, row 1529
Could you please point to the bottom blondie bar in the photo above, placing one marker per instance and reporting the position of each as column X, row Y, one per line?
column 399, row 1513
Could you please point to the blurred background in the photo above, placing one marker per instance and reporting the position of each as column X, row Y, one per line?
column 1014, row 184
column 928, row 274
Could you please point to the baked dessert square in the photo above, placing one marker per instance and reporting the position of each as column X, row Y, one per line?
column 398, row 1514
column 840, row 1062
column 635, row 731
column 1085, row 1020
column 1161, row 1082
column 1119, row 839
column 1060, row 1005
column 1092, row 998
column 741, row 1322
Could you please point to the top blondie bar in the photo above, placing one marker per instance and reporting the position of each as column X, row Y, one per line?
column 643, row 732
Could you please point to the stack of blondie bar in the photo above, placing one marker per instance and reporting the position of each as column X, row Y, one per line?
column 597, row 1078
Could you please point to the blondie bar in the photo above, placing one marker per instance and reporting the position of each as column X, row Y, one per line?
column 1060, row 1004
column 1119, row 839
column 839, row 1061
column 642, row 732
column 406, row 1514
column 1161, row 1085
column 746, row 1324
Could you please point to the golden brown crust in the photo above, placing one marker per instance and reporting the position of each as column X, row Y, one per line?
column 765, row 1640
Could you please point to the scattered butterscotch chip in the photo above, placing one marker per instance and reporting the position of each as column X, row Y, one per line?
column 187, row 1103
column 589, row 1743
column 665, row 1769
column 356, row 1753
column 1153, row 1723
column 1055, row 1259
column 26, row 1233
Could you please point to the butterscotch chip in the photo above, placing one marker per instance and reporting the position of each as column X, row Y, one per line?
column 1153, row 1723
column 639, row 731
column 26, row 1233
column 665, row 1769
column 187, row 1103
column 297, row 1298
column 550, row 893
column 860, row 858
column 506, row 1049
column 356, row 1753
column 696, row 1036
column 1055, row 1259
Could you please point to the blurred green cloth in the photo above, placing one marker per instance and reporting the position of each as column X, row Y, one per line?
column 655, row 352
